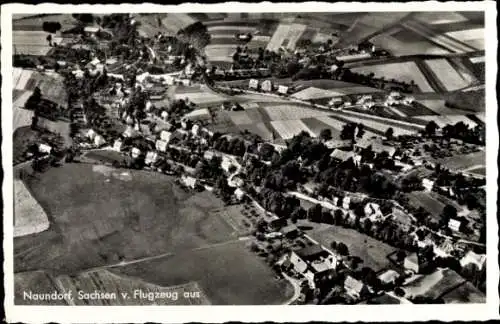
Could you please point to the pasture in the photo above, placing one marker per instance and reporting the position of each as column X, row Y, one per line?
column 101, row 215
column 228, row 273
column 29, row 216
column 446, row 74
column 403, row 71
column 111, row 283
column 464, row 161
column 373, row 252
column 427, row 201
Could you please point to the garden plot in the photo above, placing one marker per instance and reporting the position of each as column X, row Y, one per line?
column 464, row 161
column 404, row 71
column 289, row 112
column 316, row 93
column 446, row 74
column 29, row 216
column 289, row 128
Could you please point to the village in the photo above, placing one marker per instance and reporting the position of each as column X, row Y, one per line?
column 310, row 201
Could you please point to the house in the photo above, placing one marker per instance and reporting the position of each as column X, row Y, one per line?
column 195, row 130
column 165, row 136
column 454, row 225
column 99, row 140
column 415, row 263
column 427, row 184
column 388, row 277
column 135, row 152
column 130, row 132
column 372, row 210
column 44, row 148
column 117, row 145
column 355, row 288
column 478, row 259
column 283, row 89
column 335, row 102
column 346, row 202
column 161, row 145
column 91, row 134
column 291, row 231
column 189, row 181
column 89, row 30
column 253, row 84
column 267, row 86
column 151, row 157
column 314, row 263
column 239, row 194
column 338, row 144
column 342, row 156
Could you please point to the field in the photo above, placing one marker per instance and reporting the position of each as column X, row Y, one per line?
column 289, row 128
column 201, row 97
column 378, row 125
column 229, row 274
column 433, row 285
column 35, row 22
column 31, row 42
column 472, row 37
column 446, row 74
column 316, row 125
column 437, row 106
column 100, row 215
column 22, row 117
column 36, row 282
column 372, row 252
column 403, row 71
column 464, row 161
column 442, row 121
column 465, row 293
column 109, row 282
column 51, row 86
column 478, row 171
column 106, row 156
column 427, row 201
column 290, row 111
column 238, row 217
column 29, row 217
column 316, row 93
column 400, row 41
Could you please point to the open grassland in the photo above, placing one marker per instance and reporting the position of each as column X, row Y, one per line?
column 239, row 218
column 29, row 217
column 119, row 285
column 373, row 252
column 433, row 285
column 289, row 128
column 446, row 74
column 465, row 293
column 403, row 71
column 464, row 161
column 36, row 282
column 228, row 273
column 100, row 215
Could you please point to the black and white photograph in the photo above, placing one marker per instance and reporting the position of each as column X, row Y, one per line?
column 221, row 157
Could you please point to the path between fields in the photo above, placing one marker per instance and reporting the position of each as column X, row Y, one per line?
column 166, row 254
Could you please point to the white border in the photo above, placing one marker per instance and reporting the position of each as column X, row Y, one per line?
column 217, row 314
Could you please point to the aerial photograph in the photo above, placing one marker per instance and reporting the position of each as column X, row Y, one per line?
column 251, row 158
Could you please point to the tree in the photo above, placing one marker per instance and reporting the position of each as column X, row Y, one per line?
column 389, row 133
column 84, row 18
column 348, row 131
column 448, row 213
column 314, row 213
column 333, row 245
column 430, row 128
column 367, row 226
column 342, row 249
column 338, row 217
column 326, row 134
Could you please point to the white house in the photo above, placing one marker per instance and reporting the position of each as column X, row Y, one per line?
column 44, row 148
column 117, row 145
column 99, row 140
column 355, row 288
column 388, row 277
column 283, row 89
column 161, row 145
column 151, row 157
column 91, row 134
column 239, row 194
column 427, row 184
column 267, row 86
column 253, row 84
column 454, row 224
column 346, row 202
column 165, row 136
column 135, row 153
column 188, row 181
column 195, row 130
column 478, row 259
column 372, row 210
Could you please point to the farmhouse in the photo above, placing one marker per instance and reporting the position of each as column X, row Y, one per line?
column 199, row 114
column 189, row 181
column 427, row 184
column 313, row 262
column 415, row 263
column 342, row 156
column 117, row 145
column 283, row 89
column 454, row 225
column 372, row 210
column 355, row 288
column 91, row 134
column 388, row 277
column 151, row 157
column 267, row 86
column 239, row 194
column 253, row 84
column 338, row 144
column 99, row 140
column 165, row 136
column 161, row 145
column 275, row 223
column 473, row 258
column 44, row 148
column 135, row 152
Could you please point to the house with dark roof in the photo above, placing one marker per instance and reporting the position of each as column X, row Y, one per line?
column 314, row 263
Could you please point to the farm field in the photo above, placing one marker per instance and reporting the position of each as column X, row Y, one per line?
column 39, row 282
column 438, row 106
column 52, row 86
column 464, row 161
column 289, row 128
column 465, row 293
column 316, row 125
column 372, row 252
column 379, row 125
column 22, row 117
column 442, row 121
column 427, row 201
column 29, row 217
column 115, row 215
column 288, row 112
column 446, row 74
column 228, row 274
column 473, row 37
column 241, row 224
column 34, row 23
column 106, row 156
column 403, row 71
column 31, row 42
column 201, row 97
column 433, row 285
column 397, row 45
column 111, row 283
column 316, row 93
column 479, row 171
